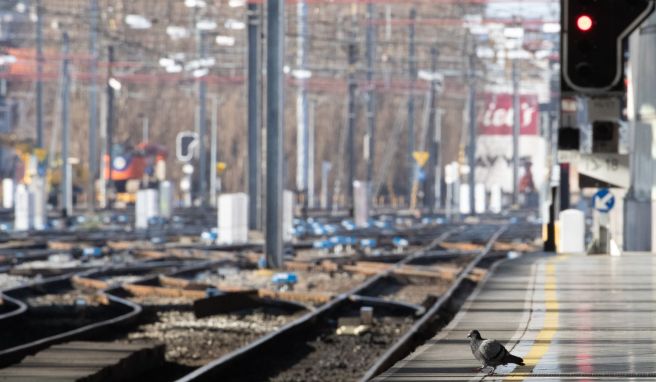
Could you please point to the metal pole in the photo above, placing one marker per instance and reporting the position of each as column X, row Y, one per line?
column 93, row 105
column 350, row 139
column 145, row 127
column 254, row 118
column 516, row 132
column 214, row 150
column 67, row 208
column 275, row 130
column 412, row 65
column 202, row 123
column 371, row 99
column 471, row 148
column 302, row 103
column 110, row 126
column 325, row 173
column 449, row 200
column 311, row 153
column 39, row 74
column 439, row 168
column 433, row 139
column 638, row 203
column 102, row 166
column 564, row 187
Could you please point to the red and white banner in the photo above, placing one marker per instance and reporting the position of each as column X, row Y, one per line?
column 497, row 118
column 494, row 151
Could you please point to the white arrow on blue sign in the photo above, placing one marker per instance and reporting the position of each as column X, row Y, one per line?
column 604, row 201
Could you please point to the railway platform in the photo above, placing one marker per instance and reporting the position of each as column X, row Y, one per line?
column 572, row 318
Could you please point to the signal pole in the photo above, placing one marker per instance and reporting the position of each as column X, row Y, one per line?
column 254, row 117
column 311, row 153
column 202, row 120
column 471, row 147
column 275, row 131
column 39, row 74
column 516, row 132
column 371, row 100
column 412, row 63
column 93, row 106
column 66, row 197
column 302, row 135
column 350, row 139
column 214, row 137
column 110, row 127
column 433, row 139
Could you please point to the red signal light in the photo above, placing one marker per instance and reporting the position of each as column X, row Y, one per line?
column 584, row 23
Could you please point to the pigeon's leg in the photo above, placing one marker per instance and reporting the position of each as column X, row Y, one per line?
column 479, row 369
column 494, row 369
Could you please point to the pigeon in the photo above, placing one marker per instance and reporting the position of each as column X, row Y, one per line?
column 490, row 352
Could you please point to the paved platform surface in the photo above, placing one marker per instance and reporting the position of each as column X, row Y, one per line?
column 572, row 318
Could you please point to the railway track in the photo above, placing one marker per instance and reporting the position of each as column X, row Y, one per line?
column 188, row 284
column 192, row 333
column 86, row 306
column 167, row 301
column 54, row 311
column 64, row 308
column 425, row 327
column 316, row 333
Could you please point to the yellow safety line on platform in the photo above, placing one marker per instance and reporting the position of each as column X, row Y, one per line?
column 549, row 328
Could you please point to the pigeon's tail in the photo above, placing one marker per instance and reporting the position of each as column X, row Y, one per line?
column 514, row 359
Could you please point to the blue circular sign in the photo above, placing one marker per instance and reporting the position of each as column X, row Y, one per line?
column 603, row 200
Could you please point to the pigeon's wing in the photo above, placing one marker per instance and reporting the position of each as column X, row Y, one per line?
column 493, row 352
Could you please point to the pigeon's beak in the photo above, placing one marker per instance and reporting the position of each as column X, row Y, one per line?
column 468, row 335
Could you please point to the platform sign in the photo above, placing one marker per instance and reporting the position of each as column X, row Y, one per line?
column 221, row 167
column 41, row 154
column 451, row 172
column 604, row 201
column 421, row 157
column 186, row 145
column 610, row 168
column 421, row 176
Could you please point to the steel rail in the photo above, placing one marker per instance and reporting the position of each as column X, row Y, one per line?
column 13, row 354
column 21, row 308
column 412, row 337
column 213, row 370
column 377, row 301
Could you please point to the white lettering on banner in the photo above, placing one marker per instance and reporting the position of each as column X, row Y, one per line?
column 498, row 117
column 504, row 117
column 528, row 114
